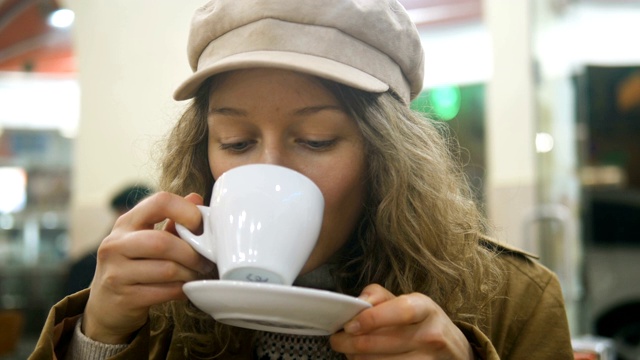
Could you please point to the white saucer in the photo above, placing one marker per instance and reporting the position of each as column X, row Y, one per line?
column 274, row 308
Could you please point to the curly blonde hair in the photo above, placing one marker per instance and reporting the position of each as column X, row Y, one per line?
column 420, row 231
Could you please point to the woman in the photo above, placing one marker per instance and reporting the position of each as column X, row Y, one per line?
column 323, row 90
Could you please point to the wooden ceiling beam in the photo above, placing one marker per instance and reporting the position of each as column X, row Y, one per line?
column 13, row 12
column 47, row 40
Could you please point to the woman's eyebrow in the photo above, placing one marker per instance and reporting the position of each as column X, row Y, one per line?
column 309, row 110
column 227, row 111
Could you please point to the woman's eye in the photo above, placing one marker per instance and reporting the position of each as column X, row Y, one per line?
column 318, row 144
column 238, row 146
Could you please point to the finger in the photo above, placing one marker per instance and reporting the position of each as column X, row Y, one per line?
column 154, row 271
column 153, row 244
column 193, row 198
column 402, row 356
column 387, row 341
column 435, row 337
column 159, row 207
column 403, row 310
column 142, row 296
column 375, row 294
column 159, row 293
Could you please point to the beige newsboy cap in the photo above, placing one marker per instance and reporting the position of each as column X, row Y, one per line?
column 370, row 45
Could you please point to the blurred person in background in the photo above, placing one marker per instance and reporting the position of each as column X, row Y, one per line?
column 81, row 270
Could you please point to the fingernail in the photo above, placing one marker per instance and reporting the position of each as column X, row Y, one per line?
column 363, row 297
column 352, row 327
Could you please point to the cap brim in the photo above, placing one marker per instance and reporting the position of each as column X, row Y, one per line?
column 309, row 64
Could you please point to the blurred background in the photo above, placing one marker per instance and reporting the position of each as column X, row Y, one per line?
column 543, row 95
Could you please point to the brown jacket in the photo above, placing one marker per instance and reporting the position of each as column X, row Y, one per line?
column 527, row 322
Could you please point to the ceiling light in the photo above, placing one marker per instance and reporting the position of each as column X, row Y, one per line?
column 61, row 18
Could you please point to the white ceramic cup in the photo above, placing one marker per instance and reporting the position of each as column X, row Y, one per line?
column 262, row 224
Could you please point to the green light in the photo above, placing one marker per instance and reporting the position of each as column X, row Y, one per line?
column 445, row 102
column 421, row 103
column 441, row 103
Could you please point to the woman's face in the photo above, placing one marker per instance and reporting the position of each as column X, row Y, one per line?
column 286, row 118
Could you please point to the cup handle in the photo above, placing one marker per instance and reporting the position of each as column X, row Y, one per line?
column 199, row 242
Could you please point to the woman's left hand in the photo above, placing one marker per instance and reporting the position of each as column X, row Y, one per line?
column 405, row 327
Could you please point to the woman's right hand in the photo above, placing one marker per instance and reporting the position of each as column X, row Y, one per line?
column 139, row 266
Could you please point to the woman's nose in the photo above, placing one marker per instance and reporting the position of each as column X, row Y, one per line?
column 273, row 155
